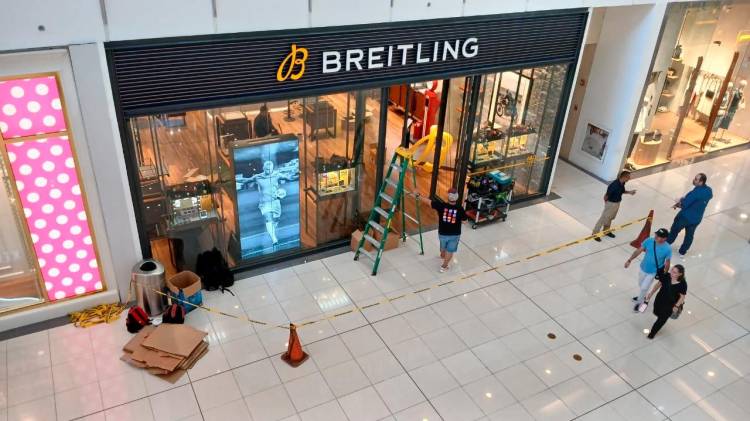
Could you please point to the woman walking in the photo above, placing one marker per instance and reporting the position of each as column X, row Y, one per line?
column 670, row 298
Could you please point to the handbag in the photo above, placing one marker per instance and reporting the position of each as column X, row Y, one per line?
column 676, row 314
column 660, row 274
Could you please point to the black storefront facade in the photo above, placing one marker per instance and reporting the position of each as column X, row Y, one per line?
column 272, row 145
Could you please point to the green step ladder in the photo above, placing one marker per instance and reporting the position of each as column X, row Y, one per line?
column 390, row 199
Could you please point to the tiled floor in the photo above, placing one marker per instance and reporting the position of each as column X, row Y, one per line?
column 479, row 349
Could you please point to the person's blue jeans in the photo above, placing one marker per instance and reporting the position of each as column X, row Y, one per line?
column 678, row 225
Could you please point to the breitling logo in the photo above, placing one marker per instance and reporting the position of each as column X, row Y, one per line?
column 293, row 65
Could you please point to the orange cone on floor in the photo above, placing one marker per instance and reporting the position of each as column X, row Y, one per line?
column 294, row 354
column 645, row 232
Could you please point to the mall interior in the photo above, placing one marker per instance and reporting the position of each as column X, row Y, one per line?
column 148, row 158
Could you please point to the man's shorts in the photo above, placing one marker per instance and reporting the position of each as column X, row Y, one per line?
column 449, row 243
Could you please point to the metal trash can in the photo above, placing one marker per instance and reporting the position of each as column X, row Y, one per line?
column 148, row 276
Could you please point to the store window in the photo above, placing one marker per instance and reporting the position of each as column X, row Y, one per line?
column 694, row 98
column 256, row 180
column 516, row 120
column 48, row 250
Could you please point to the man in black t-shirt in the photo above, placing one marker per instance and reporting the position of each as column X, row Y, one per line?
column 612, row 200
column 450, row 217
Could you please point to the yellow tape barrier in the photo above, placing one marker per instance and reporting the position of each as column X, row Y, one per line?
column 358, row 309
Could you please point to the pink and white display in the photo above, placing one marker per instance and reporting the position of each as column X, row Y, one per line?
column 48, row 185
column 30, row 107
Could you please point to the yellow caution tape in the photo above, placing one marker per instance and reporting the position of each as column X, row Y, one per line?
column 110, row 312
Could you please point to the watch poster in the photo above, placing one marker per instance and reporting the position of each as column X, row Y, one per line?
column 268, row 204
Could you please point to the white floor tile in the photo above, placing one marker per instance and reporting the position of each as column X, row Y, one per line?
column 520, row 381
column 444, row 342
column 308, row 392
column 270, row 405
column 489, row 394
column 40, row 409
column 364, row 405
column 399, row 393
column 433, row 379
column 243, row 351
column 495, row 355
column 75, row 403
column 231, row 411
column 606, row 383
column 137, row 410
column 578, row 396
column 330, row 411
column 420, row 412
column 122, row 389
column 256, row 377
column 413, row 353
column 329, row 352
column 465, row 367
column 164, row 407
column 345, row 378
column 456, row 405
column 547, row 406
column 379, row 365
column 216, row 391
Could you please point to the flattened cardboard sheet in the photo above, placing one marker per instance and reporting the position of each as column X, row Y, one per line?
column 175, row 339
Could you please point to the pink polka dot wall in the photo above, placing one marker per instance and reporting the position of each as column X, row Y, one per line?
column 30, row 107
column 48, row 186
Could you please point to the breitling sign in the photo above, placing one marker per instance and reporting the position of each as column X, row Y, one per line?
column 292, row 66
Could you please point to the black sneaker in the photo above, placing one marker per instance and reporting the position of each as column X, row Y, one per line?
column 635, row 298
column 635, row 309
column 598, row 239
column 610, row 235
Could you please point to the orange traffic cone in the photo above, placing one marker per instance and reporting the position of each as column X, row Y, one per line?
column 645, row 232
column 294, row 354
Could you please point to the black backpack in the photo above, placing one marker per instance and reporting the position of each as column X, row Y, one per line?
column 214, row 271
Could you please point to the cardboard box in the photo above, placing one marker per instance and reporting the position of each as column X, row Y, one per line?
column 187, row 281
column 391, row 243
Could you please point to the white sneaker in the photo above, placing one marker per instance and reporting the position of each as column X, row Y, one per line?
column 682, row 257
column 443, row 269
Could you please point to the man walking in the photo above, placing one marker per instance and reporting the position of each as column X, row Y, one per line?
column 657, row 259
column 692, row 207
column 612, row 200
column 450, row 217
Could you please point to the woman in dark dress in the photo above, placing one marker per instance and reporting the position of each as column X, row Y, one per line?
column 671, row 295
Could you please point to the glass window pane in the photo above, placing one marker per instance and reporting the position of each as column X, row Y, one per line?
column 257, row 179
column 19, row 284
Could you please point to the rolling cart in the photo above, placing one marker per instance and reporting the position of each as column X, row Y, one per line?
column 489, row 198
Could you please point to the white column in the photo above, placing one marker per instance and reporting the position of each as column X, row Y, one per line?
column 105, row 149
column 621, row 65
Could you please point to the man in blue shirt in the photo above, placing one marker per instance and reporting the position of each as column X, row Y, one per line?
column 692, row 207
column 612, row 200
column 658, row 254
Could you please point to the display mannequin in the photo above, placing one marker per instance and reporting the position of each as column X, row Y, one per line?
column 735, row 99
column 723, row 107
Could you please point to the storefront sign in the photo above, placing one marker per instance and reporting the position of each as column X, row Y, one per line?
column 159, row 75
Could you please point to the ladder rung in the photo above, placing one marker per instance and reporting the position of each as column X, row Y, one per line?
column 395, row 166
column 382, row 212
column 377, row 226
column 411, row 218
column 372, row 241
column 390, row 182
column 387, row 198
column 367, row 253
